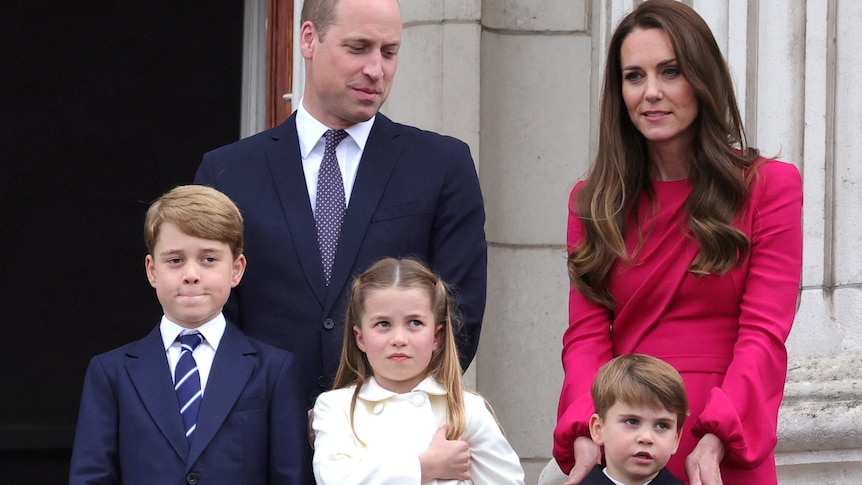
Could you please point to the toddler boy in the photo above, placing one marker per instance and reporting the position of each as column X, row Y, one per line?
column 641, row 406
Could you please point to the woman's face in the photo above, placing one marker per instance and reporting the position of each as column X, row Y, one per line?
column 660, row 101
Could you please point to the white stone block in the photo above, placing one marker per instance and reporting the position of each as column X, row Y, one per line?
column 535, row 132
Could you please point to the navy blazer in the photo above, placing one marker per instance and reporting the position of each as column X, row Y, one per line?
column 252, row 423
column 597, row 477
column 416, row 194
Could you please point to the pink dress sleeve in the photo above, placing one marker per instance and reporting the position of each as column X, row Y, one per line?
column 743, row 412
column 586, row 347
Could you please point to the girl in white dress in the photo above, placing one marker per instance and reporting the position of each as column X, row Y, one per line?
column 398, row 412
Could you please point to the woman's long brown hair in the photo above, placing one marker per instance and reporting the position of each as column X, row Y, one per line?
column 718, row 158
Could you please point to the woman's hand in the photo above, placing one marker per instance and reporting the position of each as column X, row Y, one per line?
column 445, row 459
column 587, row 455
column 702, row 465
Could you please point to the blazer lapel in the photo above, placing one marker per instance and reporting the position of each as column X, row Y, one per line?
column 285, row 164
column 149, row 371
column 230, row 371
column 378, row 160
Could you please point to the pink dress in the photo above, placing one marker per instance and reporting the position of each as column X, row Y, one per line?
column 724, row 334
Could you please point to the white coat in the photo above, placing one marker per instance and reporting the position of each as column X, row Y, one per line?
column 396, row 428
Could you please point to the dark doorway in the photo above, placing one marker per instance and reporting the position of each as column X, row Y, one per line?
column 105, row 105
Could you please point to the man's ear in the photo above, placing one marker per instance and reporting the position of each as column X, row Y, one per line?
column 307, row 39
column 597, row 428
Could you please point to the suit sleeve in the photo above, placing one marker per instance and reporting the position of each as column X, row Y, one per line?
column 493, row 461
column 289, row 450
column 95, row 453
column 459, row 252
column 743, row 412
column 339, row 457
column 586, row 347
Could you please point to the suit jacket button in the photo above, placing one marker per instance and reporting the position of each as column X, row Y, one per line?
column 328, row 324
column 192, row 479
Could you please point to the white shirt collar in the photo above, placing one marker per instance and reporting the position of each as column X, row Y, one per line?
column 309, row 131
column 617, row 482
column 212, row 331
column 372, row 391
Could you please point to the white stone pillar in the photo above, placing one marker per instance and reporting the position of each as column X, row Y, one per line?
column 519, row 80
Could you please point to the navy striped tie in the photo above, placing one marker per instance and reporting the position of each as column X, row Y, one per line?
column 187, row 382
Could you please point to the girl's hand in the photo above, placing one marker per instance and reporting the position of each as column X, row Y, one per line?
column 445, row 459
column 587, row 455
column 702, row 465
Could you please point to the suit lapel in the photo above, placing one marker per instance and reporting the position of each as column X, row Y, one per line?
column 150, row 374
column 285, row 164
column 231, row 369
column 378, row 160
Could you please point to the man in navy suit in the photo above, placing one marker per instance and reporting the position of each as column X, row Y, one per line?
column 408, row 192
column 235, row 412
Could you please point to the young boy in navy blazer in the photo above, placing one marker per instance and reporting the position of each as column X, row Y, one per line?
column 225, row 409
column 641, row 406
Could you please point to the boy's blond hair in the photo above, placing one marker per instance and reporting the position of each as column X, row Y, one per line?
column 198, row 211
column 637, row 379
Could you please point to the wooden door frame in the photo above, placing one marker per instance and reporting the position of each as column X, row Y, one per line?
column 279, row 61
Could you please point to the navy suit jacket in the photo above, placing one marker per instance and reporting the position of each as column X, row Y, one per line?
column 416, row 194
column 597, row 477
column 252, row 423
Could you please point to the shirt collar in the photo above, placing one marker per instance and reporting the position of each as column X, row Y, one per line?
column 309, row 131
column 212, row 331
column 372, row 391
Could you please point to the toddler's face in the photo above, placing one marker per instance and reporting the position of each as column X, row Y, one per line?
column 638, row 440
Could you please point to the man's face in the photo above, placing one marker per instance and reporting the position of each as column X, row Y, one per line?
column 349, row 71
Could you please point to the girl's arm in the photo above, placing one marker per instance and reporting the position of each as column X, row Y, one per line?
column 340, row 459
column 493, row 461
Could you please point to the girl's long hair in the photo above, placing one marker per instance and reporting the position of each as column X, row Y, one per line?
column 354, row 369
column 718, row 159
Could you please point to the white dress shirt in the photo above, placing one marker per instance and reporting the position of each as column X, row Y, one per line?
column 396, row 428
column 204, row 354
column 311, row 145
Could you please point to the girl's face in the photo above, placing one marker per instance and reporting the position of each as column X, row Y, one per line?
column 661, row 102
column 398, row 334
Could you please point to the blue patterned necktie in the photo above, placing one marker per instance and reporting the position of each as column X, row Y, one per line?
column 330, row 204
column 187, row 382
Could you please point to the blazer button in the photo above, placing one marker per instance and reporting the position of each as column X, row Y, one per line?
column 328, row 324
column 192, row 479
column 320, row 382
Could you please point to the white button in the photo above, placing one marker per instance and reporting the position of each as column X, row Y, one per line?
column 418, row 400
column 378, row 408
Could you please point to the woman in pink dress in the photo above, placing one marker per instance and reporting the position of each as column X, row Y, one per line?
column 685, row 244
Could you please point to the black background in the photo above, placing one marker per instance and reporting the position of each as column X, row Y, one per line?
column 103, row 107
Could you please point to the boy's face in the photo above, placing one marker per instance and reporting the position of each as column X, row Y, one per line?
column 192, row 276
column 638, row 440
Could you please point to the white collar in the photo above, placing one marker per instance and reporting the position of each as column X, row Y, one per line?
column 212, row 331
column 372, row 391
column 309, row 130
